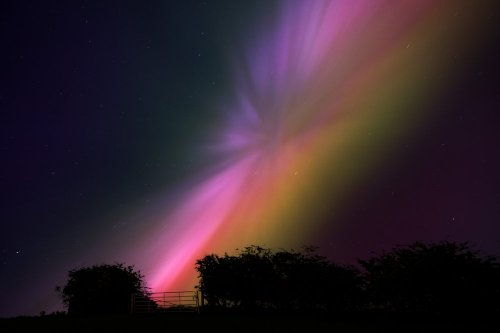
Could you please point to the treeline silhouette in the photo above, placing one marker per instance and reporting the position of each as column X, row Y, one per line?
column 102, row 289
column 438, row 278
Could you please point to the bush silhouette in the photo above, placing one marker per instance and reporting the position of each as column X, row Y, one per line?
column 437, row 278
column 102, row 289
column 258, row 278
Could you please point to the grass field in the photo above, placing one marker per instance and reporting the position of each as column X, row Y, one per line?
column 193, row 322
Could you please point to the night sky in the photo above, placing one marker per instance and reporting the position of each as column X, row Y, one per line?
column 155, row 132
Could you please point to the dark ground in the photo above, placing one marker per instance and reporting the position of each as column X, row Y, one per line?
column 193, row 322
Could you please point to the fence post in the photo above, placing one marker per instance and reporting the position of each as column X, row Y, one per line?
column 132, row 303
column 197, row 295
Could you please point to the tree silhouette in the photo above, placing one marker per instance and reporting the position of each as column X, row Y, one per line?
column 258, row 278
column 237, row 281
column 308, row 281
column 437, row 278
column 102, row 289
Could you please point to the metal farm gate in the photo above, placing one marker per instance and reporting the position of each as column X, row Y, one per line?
column 173, row 301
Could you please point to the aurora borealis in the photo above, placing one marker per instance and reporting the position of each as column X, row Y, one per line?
column 350, row 125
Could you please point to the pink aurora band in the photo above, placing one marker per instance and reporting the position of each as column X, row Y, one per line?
column 294, row 89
